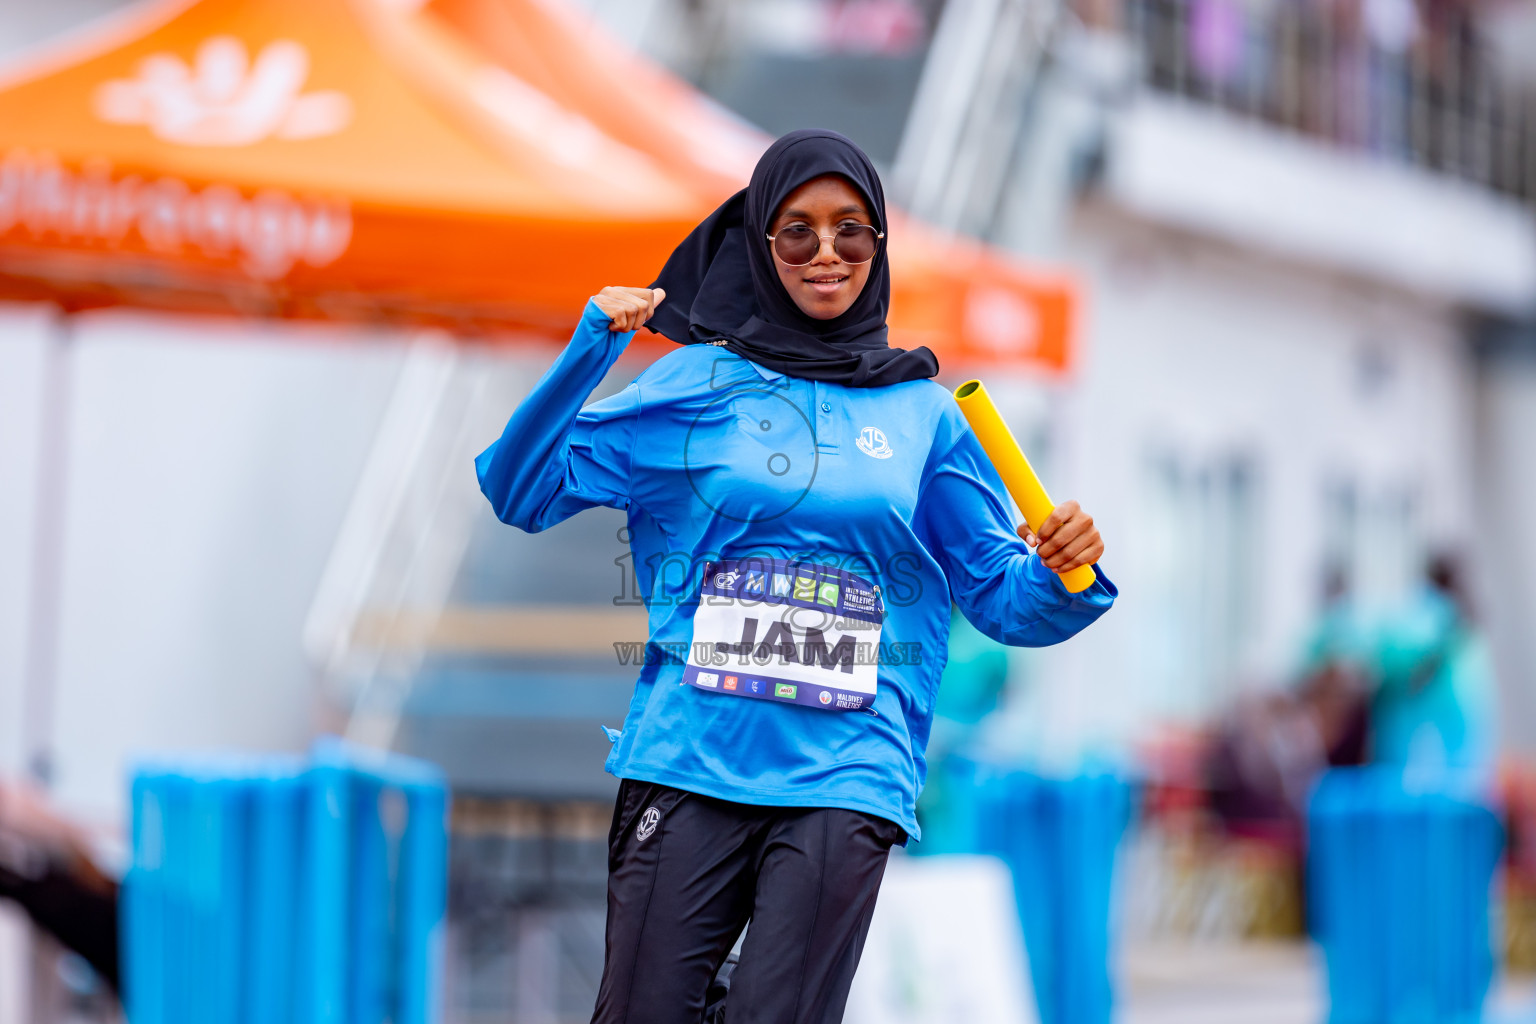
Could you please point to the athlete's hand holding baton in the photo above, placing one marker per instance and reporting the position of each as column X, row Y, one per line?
column 1068, row 540
column 1062, row 535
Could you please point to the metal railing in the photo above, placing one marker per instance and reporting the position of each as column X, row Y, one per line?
column 1405, row 82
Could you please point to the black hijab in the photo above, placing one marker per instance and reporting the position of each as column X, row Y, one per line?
column 721, row 282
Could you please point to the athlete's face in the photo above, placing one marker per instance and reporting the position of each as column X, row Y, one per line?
column 825, row 287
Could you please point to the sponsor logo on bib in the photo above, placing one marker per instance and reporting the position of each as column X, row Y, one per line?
column 808, row 633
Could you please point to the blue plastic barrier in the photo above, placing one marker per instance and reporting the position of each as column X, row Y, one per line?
column 1059, row 837
column 286, row 891
column 1399, row 889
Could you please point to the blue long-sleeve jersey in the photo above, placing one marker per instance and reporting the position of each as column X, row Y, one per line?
column 830, row 526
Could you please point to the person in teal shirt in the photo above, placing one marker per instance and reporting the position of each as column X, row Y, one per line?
column 1433, row 706
column 1422, row 667
column 804, row 503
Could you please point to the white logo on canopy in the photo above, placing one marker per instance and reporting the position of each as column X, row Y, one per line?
column 224, row 99
column 1001, row 321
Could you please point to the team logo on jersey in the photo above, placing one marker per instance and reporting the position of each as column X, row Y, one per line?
column 872, row 442
column 648, row 822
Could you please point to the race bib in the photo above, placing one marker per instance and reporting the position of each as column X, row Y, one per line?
column 784, row 631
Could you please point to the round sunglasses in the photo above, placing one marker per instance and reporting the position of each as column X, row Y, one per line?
column 798, row 245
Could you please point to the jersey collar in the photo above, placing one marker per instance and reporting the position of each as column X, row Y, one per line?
column 764, row 372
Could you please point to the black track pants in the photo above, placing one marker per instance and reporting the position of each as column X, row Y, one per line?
column 686, row 872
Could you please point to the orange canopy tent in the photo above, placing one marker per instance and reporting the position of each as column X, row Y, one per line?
column 958, row 297
column 278, row 156
column 471, row 161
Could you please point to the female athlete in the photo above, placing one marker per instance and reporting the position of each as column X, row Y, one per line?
column 804, row 504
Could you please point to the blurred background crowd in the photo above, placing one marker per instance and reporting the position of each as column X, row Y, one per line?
column 1272, row 320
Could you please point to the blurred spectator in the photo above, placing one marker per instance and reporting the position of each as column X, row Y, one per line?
column 891, row 28
column 1335, row 682
column 1411, row 80
column 1433, row 706
column 1519, row 798
column 47, row 870
column 1392, row 26
column 1216, row 36
column 1410, row 686
column 1340, row 638
column 1270, row 749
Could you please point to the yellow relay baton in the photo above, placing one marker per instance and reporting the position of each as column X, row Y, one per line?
column 1018, row 475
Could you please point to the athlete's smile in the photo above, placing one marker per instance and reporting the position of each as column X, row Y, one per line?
column 827, row 284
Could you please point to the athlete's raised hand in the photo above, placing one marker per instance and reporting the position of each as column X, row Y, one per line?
column 629, row 308
column 1067, row 538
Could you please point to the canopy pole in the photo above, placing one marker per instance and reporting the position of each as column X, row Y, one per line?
column 45, row 602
